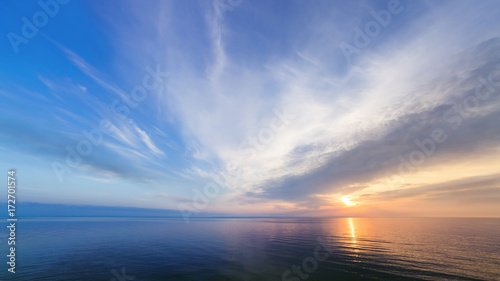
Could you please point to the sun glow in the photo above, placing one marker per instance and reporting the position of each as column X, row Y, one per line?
column 347, row 201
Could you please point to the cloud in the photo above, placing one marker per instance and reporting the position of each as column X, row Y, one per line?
column 91, row 72
column 229, row 76
column 482, row 186
column 148, row 142
column 127, row 151
column 352, row 121
column 374, row 158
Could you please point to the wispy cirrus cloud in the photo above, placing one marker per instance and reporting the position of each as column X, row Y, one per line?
column 351, row 124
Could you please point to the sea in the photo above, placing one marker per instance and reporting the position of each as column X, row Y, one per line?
column 288, row 249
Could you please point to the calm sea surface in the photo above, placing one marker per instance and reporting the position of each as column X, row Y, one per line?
column 119, row 249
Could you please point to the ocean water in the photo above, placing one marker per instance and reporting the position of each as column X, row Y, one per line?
column 119, row 249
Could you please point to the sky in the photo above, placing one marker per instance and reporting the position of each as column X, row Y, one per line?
column 254, row 108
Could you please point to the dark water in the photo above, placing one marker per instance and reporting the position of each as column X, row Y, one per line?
column 121, row 249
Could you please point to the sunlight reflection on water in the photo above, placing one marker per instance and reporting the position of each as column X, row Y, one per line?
column 257, row 249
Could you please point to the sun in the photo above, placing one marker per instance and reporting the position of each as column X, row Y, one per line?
column 347, row 201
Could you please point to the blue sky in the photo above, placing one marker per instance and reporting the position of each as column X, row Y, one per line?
column 258, row 94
